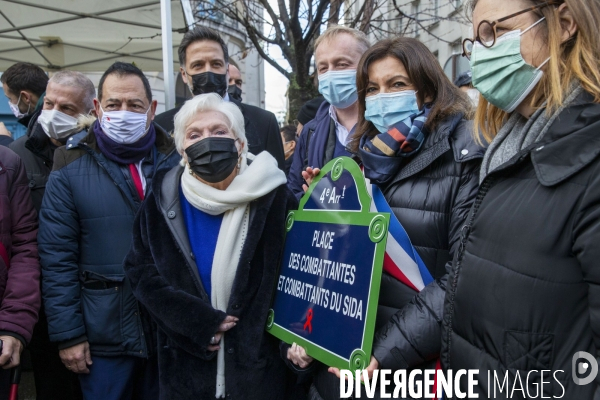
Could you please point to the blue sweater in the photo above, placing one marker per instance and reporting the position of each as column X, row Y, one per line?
column 203, row 232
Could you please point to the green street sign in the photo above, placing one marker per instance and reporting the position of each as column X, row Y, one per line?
column 330, row 273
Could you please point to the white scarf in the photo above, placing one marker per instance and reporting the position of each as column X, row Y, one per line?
column 262, row 176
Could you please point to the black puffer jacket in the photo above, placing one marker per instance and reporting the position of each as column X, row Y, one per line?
column 525, row 285
column 431, row 196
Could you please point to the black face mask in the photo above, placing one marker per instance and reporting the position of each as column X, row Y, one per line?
column 235, row 92
column 213, row 159
column 209, row 82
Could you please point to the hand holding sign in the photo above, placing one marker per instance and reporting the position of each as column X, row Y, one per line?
column 308, row 176
column 298, row 356
column 372, row 367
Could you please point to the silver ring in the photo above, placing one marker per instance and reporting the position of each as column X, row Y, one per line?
column 213, row 341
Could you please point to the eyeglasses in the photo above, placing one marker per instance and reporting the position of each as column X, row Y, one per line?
column 486, row 30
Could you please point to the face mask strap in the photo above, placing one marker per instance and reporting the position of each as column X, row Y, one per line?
column 190, row 81
column 542, row 64
column 532, row 26
column 28, row 106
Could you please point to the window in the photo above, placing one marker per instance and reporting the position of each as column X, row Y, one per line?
column 208, row 9
column 415, row 15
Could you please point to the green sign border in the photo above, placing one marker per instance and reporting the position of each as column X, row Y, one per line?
column 378, row 224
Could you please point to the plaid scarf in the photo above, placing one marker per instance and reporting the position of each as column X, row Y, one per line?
column 402, row 139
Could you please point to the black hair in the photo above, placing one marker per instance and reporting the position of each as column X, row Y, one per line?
column 25, row 76
column 197, row 34
column 289, row 133
column 122, row 69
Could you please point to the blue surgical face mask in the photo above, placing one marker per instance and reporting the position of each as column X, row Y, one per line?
column 387, row 109
column 339, row 87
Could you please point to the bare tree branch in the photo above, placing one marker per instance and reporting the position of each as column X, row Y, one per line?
column 317, row 20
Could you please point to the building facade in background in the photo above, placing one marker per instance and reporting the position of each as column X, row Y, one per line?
column 440, row 24
column 243, row 56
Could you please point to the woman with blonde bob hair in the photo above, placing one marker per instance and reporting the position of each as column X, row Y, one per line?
column 205, row 257
column 524, row 292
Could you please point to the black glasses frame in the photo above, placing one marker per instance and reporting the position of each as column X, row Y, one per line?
column 467, row 53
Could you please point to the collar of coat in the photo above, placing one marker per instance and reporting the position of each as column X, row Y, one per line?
column 39, row 143
column 454, row 133
column 165, row 189
column 571, row 143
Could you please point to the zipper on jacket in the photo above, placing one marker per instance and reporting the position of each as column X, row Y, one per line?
column 464, row 237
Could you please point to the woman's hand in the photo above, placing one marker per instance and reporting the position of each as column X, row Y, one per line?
column 372, row 367
column 298, row 356
column 308, row 176
column 228, row 323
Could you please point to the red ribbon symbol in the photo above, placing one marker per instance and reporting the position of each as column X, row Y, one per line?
column 308, row 323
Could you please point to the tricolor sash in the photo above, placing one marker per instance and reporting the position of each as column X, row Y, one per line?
column 401, row 259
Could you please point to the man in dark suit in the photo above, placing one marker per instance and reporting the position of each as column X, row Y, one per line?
column 203, row 59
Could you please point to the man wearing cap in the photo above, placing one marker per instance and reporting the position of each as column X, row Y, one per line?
column 464, row 83
column 307, row 113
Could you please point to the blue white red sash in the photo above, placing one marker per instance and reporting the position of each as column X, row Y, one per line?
column 401, row 259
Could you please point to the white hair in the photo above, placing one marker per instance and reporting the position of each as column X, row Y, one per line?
column 203, row 103
column 77, row 80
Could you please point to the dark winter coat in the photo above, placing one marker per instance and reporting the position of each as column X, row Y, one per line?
column 315, row 148
column 430, row 195
column 165, row 279
column 525, row 285
column 37, row 152
column 86, row 223
column 19, row 281
column 261, row 127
